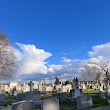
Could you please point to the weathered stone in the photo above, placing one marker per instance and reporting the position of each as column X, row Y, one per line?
column 50, row 104
column 23, row 105
column 34, row 96
column 84, row 102
column 20, row 97
column 2, row 98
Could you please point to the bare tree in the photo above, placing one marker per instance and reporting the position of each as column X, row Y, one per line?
column 7, row 57
column 104, row 65
column 90, row 72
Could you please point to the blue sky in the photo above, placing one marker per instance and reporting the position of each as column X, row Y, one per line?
column 64, row 28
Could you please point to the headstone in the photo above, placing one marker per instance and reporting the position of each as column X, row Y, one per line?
column 61, row 96
column 101, row 89
column 34, row 96
column 20, row 97
column 3, row 92
column 75, row 81
column 50, row 104
column 47, row 89
column 56, row 95
column 102, row 95
column 59, row 90
column 64, row 88
column 2, row 98
column 84, row 102
column 31, row 84
column 108, row 101
column 84, row 86
column 23, row 105
column 108, row 93
column 75, row 93
column 13, row 92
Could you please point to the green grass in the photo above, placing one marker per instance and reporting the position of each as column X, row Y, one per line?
column 98, row 102
column 89, row 91
column 68, row 105
column 11, row 97
column 43, row 96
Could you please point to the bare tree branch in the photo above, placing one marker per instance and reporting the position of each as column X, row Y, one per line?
column 7, row 57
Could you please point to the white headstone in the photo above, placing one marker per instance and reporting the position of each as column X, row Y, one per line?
column 50, row 104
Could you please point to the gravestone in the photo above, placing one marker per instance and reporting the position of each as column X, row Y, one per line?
column 2, row 98
column 63, row 88
column 3, row 92
column 108, row 92
column 20, row 97
column 46, row 89
column 75, row 92
column 59, row 90
column 61, row 96
column 56, row 95
column 34, row 96
column 101, row 89
column 23, row 105
column 31, row 84
column 102, row 95
column 50, row 104
column 13, row 92
column 84, row 86
column 84, row 102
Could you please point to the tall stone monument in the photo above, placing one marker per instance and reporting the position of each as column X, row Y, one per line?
column 75, row 92
column 31, row 84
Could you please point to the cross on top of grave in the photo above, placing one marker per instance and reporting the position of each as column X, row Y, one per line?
column 31, row 85
column 13, row 90
column 75, row 81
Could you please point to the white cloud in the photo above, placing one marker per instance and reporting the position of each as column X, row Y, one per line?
column 33, row 63
column 32, row 59
column 102, row 50
column 68, row 71
column 66, row 60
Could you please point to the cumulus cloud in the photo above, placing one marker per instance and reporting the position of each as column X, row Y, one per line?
column 102, row 50
column 33, row 65
column 32, row 59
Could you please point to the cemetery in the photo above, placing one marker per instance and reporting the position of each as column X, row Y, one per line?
column 57, row 56
column 37, row 99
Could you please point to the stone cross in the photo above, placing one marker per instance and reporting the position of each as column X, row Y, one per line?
column 75, row 81
column 31, row 85
column 13, row 90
